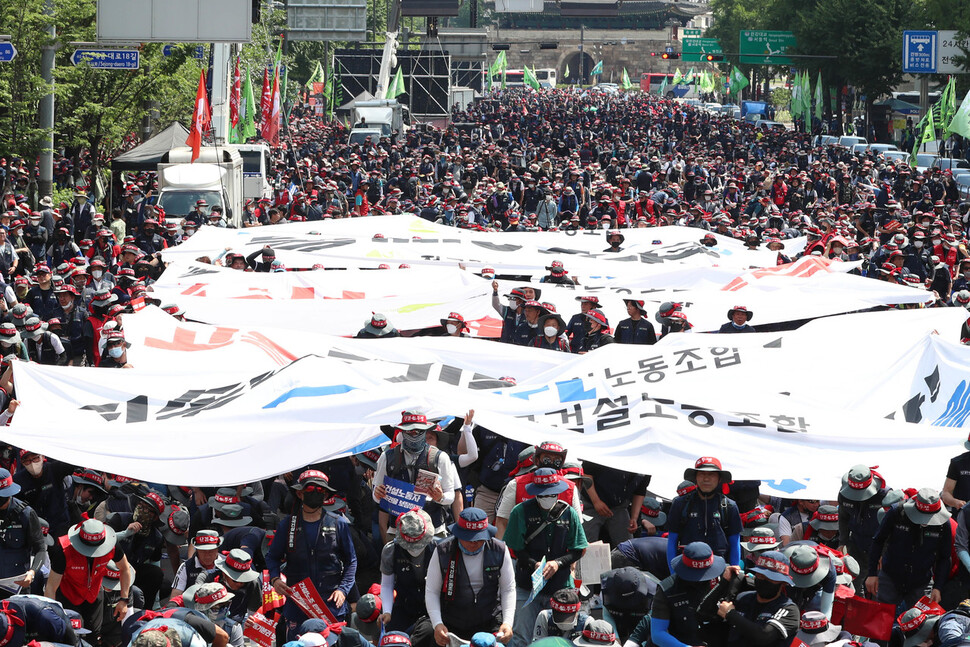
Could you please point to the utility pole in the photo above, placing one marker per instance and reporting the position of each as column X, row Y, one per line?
column 46, row 185
column 582, row 54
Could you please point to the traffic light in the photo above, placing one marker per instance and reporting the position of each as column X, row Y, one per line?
column 548, row 45
column 500, row 46
column 653, row 53
column 714, row 58
column 669, row 55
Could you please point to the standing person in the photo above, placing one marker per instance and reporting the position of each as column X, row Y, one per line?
column 23, row 547
column 910, row 550
column 616, row 496
column 79, row 561
column 311, row 544
column 470, row 585
column 542, row 528
column 404, row 462
column 42, row 488
column 705, row 513
column 404, row 568
column 860, row 499
column 598, row 333
column 636, row 329
column 738, row 318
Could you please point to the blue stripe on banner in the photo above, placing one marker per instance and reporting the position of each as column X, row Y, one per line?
column 957, row 408
column 572, row 390
column 368, row 445
column 310, row 392
column 525, row 395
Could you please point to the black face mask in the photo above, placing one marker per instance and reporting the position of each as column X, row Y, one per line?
column 766, row 588
column 4, row 500
column 314, row 500
column 696, row 588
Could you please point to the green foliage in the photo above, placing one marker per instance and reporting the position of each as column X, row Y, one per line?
column 781, row 97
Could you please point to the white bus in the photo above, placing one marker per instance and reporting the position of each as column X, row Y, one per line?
column 516, row 78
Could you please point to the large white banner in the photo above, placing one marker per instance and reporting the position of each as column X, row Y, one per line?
column 643, row 409
column 368, row 242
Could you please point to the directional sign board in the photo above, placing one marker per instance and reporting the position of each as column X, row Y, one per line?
column 765, row 47
column 107, row 59
column 690, row 33
column 949, row 47
column 7, row 52
column 919, row 52
column 696, row 50
column 198, row 53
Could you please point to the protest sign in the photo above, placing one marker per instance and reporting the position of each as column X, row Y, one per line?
column 400, row 497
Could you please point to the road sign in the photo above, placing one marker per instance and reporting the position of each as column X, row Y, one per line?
column 690, row 33
column 765, row 47
column 949, row 47
column 919, row 52
column 198, row 53
column 7, row 52
column 107, row 59
column 695, row 50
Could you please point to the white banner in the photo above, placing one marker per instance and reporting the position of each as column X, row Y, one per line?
column 368, row 242
column 639, row 408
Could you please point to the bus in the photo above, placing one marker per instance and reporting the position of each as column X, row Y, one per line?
column 650, row 83
column 516, row 78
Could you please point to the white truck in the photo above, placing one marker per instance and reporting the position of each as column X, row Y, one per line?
column 216, row 177
column 377, row 116
column 257, row 165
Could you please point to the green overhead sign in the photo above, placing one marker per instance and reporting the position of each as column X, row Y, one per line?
column 765, row 47
column 696, row 49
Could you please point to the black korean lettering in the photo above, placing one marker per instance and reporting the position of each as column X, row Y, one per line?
column 726, row 360
column 619, row 377
column 747, row 420
column 657, row 411
column 790, row 425
column 652, row 369
column 688, row 357
column 617, row 413
column 699, row 416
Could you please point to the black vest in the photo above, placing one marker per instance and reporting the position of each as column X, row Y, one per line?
column 427, row 460
column 15, row 539
column 545, row 543
column 461, row 609
column 409, row 584
column 684, row 624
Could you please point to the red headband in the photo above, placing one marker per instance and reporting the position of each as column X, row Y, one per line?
column 95, row 538
column 564, row 608
column 861, row 485
column 808, row 569
column 232, row 562
column 226, row 498
column 215, row 596
column 546, row 479
column 913, row 624
column 413, row 418
column 761, row 539
column 472, row 525
column 928, row 507
column 599, row 636
column 697, row 563
column 820, row 623
column 773, row 565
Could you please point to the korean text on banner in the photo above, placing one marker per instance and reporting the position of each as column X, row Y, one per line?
column 400, row 497
column 305, row 595
column 260, row 629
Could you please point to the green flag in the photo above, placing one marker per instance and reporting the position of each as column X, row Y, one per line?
column 626, row 80
column 663, row 87
column 565, row 74
column 689, row 77
column 247, row 111
column 316, row 77
column 948, row 104
column 738, row 81
column 807, row 101
column 928, row 135
column 819, row 101
column 530, row 78
column 597, row 69
column 396, row 86
column 796, row 97
column 960, row 123
column 678, row 77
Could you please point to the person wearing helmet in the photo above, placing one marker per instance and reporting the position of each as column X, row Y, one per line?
column 598, row 334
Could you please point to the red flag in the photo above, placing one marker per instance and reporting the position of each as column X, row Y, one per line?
column 234, row 97
column 201, row 118
column 265, row 101
column 271, row 126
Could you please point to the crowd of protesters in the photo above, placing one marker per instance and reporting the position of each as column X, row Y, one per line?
column 100, row 558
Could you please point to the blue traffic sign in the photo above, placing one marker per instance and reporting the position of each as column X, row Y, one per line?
column 199, row 52
column 7, row 52
column 107, row 59
column 919, row 52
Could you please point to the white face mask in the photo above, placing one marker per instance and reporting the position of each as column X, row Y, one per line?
column 936, row 241
column 97, row 274
column 546, row 502
column 414, row 551
column 451, row 328
column 917, row 244
column 551, row 331
column 565, row 626
column 35, row 468
column 116, row 352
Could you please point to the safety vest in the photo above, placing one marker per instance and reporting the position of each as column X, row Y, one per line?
column 82, row 584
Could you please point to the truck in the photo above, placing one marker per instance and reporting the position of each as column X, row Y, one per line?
column 216, row 177
column 381, row 116
column 257, row 165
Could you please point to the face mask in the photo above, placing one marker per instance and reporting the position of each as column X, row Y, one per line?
column 116, row 352
column 79, row 501
column 97, row 274
column 188, row 232
column 546, row 502
column 34, row 469
column 936, row 241
column 414, row 444
column 766, row 588
column 414, row 551
column 470, row 552
column 565, row 626
column 917, row 243
column 217, row 615
column 314, row 500
column 451, row 328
